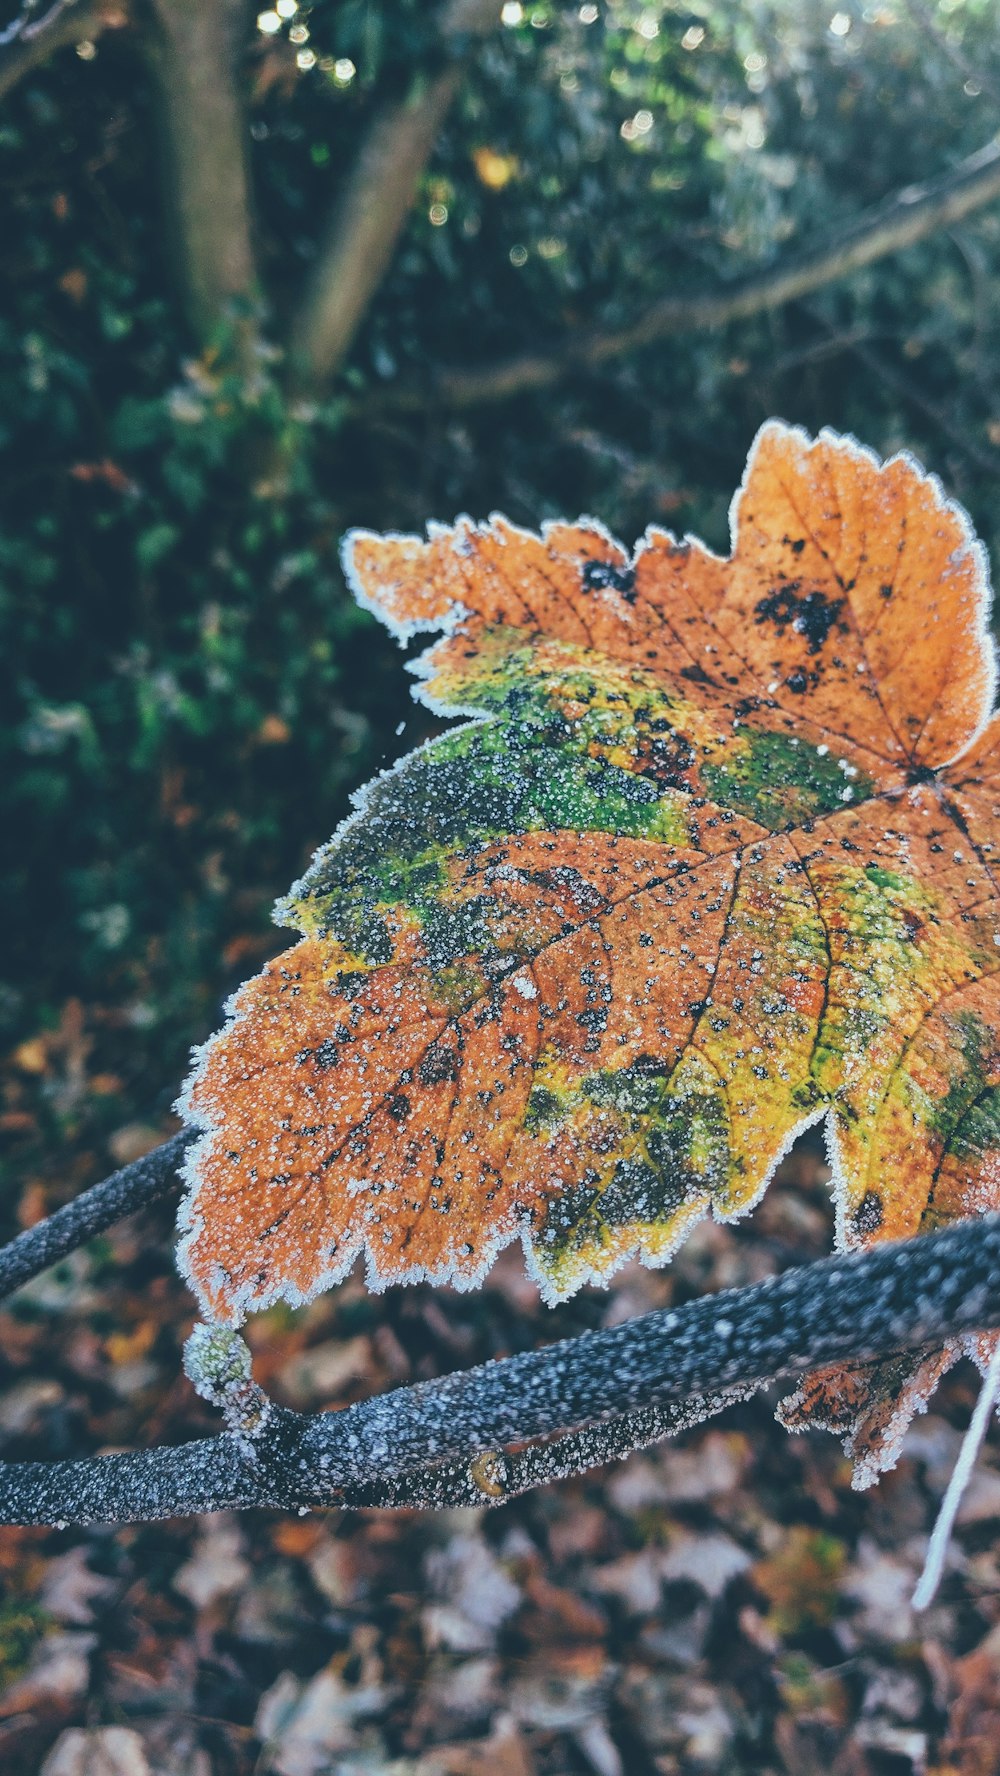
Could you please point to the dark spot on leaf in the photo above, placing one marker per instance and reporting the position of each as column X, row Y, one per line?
column 868, row 1214
column 586, row 898
column 668, row 757
column 812, row 616
column 600, row 575
column 596, row 1019
column 324, row 1057
column 542, row 1109
column 439, row 1063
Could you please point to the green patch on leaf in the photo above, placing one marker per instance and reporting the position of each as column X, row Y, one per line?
column 780, row 781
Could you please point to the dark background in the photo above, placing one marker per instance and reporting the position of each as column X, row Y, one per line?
column 189, row 697
column 188, row 694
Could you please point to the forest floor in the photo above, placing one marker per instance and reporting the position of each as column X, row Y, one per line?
column 722, row 1603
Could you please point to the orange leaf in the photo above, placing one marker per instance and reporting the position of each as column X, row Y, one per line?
column 713, row 860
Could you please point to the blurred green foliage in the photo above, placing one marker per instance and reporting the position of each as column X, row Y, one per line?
column 188, row 693
column 22, row 1626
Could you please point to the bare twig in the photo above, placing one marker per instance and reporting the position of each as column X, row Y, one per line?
column 961, row 1474
column 893, row 1297
column 907, row 217
column 29, row 40
column 376, row 200
column 954, row 52
column 131, row 1188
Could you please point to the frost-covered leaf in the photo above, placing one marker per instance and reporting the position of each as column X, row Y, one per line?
column 713, row 859
column 71, row 1589
column 217, row 1567
column 306, row 1725
column 97, row 1751
column 59, row 1669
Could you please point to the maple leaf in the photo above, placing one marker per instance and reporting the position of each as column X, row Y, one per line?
column 714, row 859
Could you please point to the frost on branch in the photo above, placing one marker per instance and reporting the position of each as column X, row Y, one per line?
column 713, row 860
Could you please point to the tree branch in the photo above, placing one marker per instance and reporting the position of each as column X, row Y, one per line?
column 902, row 220
column 375, row 203
column 494, row 1476
column 193, row 48
column 29, row 40
column 426, row 1442
column 131, row 1188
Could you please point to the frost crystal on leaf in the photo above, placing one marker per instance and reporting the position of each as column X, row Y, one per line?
column 712, row 859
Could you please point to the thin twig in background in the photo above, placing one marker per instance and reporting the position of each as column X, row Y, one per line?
column 901, row 221
column 28, row 42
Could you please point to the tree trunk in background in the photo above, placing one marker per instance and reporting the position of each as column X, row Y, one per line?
column 194, row 48
column 364, row 230
column 377, row 198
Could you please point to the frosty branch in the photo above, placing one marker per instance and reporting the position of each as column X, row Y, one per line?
column 130, row 1188
column 447, row 1442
